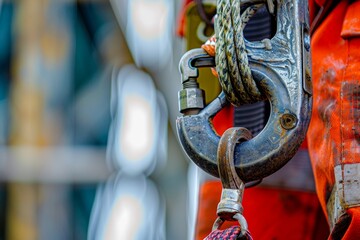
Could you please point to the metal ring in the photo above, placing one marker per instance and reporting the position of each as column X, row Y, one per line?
column 243, row 223
column 241, row 220
column 260, row 156
column 225, row 157
column 217, row 224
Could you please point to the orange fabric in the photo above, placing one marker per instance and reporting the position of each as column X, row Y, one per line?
column 270, row 213
column 224, row 120
column 182, row 21
column 351, row 25
column 352, row 231
column 334, row 131
column 327, row 67
column 321, row 2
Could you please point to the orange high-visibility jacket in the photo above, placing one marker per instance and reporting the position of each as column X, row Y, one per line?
column 334, row 135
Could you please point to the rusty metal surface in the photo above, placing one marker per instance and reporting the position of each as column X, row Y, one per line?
column 230, row 205
column 283, row 76
column 225, row 156
column 233, row 186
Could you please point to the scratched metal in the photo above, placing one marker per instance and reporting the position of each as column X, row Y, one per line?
column 282, row 71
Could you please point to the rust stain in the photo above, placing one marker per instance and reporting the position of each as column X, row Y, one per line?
column 336, row 152
column 351, row 93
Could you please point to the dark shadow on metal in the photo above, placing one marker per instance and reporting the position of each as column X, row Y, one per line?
column 260, row 156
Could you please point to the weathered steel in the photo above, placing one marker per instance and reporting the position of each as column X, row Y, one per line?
column 230, row 205
column 191, row 97
column 282, row 72
column 233, row 186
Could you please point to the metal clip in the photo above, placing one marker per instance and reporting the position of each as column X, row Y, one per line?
column 229, row 207
column 191, row 97
column 282, row 73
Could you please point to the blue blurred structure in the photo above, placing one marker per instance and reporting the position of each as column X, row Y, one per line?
column 129, row 205
column 148, row 29
column 60, row 63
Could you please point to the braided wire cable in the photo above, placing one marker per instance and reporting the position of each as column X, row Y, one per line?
column 232, row 63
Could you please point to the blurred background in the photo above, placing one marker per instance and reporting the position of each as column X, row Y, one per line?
column 88, row 101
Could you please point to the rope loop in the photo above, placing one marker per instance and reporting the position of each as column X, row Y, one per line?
column 231, row 58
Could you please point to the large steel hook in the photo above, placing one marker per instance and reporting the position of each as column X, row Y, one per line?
column 281, row 68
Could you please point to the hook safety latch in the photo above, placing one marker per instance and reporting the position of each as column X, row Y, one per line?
column 283, row 74
column 191, row 97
